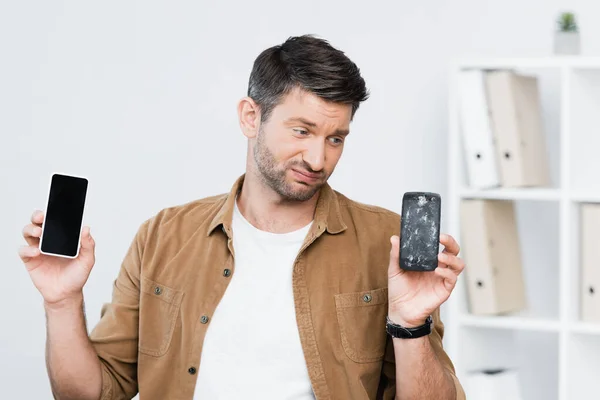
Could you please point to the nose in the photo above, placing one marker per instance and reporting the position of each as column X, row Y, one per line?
column 314, row 155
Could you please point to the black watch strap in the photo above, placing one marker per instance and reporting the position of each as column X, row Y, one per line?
column 398, row 331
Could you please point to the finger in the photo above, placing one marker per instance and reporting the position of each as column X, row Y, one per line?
column 87, row 244
column 32, row 231
column 28, row 252
column 32, row 234
column 37, row 217
column 449, row 277
column 454, row 263
column 394, row 266
column 450, row 245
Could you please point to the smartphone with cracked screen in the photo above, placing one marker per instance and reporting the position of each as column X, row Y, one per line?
column 420, row 231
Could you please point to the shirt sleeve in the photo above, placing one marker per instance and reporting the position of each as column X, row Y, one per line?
column 115, row 337
column 387, row 385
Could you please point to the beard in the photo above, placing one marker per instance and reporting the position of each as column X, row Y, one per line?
column 275, row 177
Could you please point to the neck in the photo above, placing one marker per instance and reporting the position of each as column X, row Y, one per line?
column 267, row 211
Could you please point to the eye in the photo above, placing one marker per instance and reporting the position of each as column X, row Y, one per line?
column 336, row 140
column 301, row 132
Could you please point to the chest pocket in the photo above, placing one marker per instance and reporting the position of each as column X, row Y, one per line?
column 159, row 307
column 361, row 317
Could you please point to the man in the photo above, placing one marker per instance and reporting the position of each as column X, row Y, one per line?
column 280, row 289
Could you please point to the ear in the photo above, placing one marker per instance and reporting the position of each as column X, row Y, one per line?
column 249, row 116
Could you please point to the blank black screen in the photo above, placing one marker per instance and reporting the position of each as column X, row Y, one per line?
column 420, row 232
column 64, row 215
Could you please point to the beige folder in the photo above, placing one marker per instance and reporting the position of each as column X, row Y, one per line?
column 491, row 251
column 590, row 263
column 516, row 119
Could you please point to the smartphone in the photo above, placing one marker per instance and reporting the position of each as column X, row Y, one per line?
column 420, row 231
column 63, row 219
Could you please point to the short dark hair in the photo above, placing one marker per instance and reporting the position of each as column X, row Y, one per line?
column 308, row 63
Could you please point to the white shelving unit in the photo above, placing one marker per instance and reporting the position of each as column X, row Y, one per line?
column 557, row 355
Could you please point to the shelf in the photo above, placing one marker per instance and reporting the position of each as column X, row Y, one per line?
column 535, row 194
column 529, row 62
column 550, row 229
column 587, row 328
column 533, row 355
column 585, row 196
column 511, row 322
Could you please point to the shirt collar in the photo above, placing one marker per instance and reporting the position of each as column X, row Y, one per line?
column 327, row 212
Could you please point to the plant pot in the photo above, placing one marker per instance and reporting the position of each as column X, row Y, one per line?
column 567, row 43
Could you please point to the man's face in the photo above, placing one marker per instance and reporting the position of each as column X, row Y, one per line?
column 299, row 146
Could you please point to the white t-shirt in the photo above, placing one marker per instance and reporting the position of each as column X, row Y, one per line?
column 252, row 346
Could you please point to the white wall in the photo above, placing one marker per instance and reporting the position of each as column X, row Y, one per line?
column 140, row 97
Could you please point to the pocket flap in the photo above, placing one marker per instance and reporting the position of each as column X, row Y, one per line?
column 362, row 299
column 159, row 291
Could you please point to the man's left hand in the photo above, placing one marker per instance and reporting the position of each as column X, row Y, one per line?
column 415, row 295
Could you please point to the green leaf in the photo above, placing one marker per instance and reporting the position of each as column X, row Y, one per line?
column 566, row 22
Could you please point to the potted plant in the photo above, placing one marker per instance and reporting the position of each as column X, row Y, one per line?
column 566, row 39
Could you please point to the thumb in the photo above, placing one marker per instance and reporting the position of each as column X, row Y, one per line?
column 88, row 246
column 394, row 267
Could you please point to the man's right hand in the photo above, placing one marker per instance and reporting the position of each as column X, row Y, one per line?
column 58, row 279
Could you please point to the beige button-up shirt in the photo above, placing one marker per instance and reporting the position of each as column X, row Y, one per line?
column 150, row 337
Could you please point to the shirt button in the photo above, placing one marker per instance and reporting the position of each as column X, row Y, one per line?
column 192, row 370
column 367, row 298
column 226, row 272
column 157, row 290
column 204, row 319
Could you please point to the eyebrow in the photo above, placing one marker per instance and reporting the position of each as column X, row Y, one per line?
column 341, row 132
column 302, row 121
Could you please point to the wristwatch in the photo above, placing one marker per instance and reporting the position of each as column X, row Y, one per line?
column 398, row 331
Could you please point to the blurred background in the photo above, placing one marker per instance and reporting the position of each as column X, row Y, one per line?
column 140, row 97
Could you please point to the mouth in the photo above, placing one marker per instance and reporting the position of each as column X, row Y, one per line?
column 306, row 176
